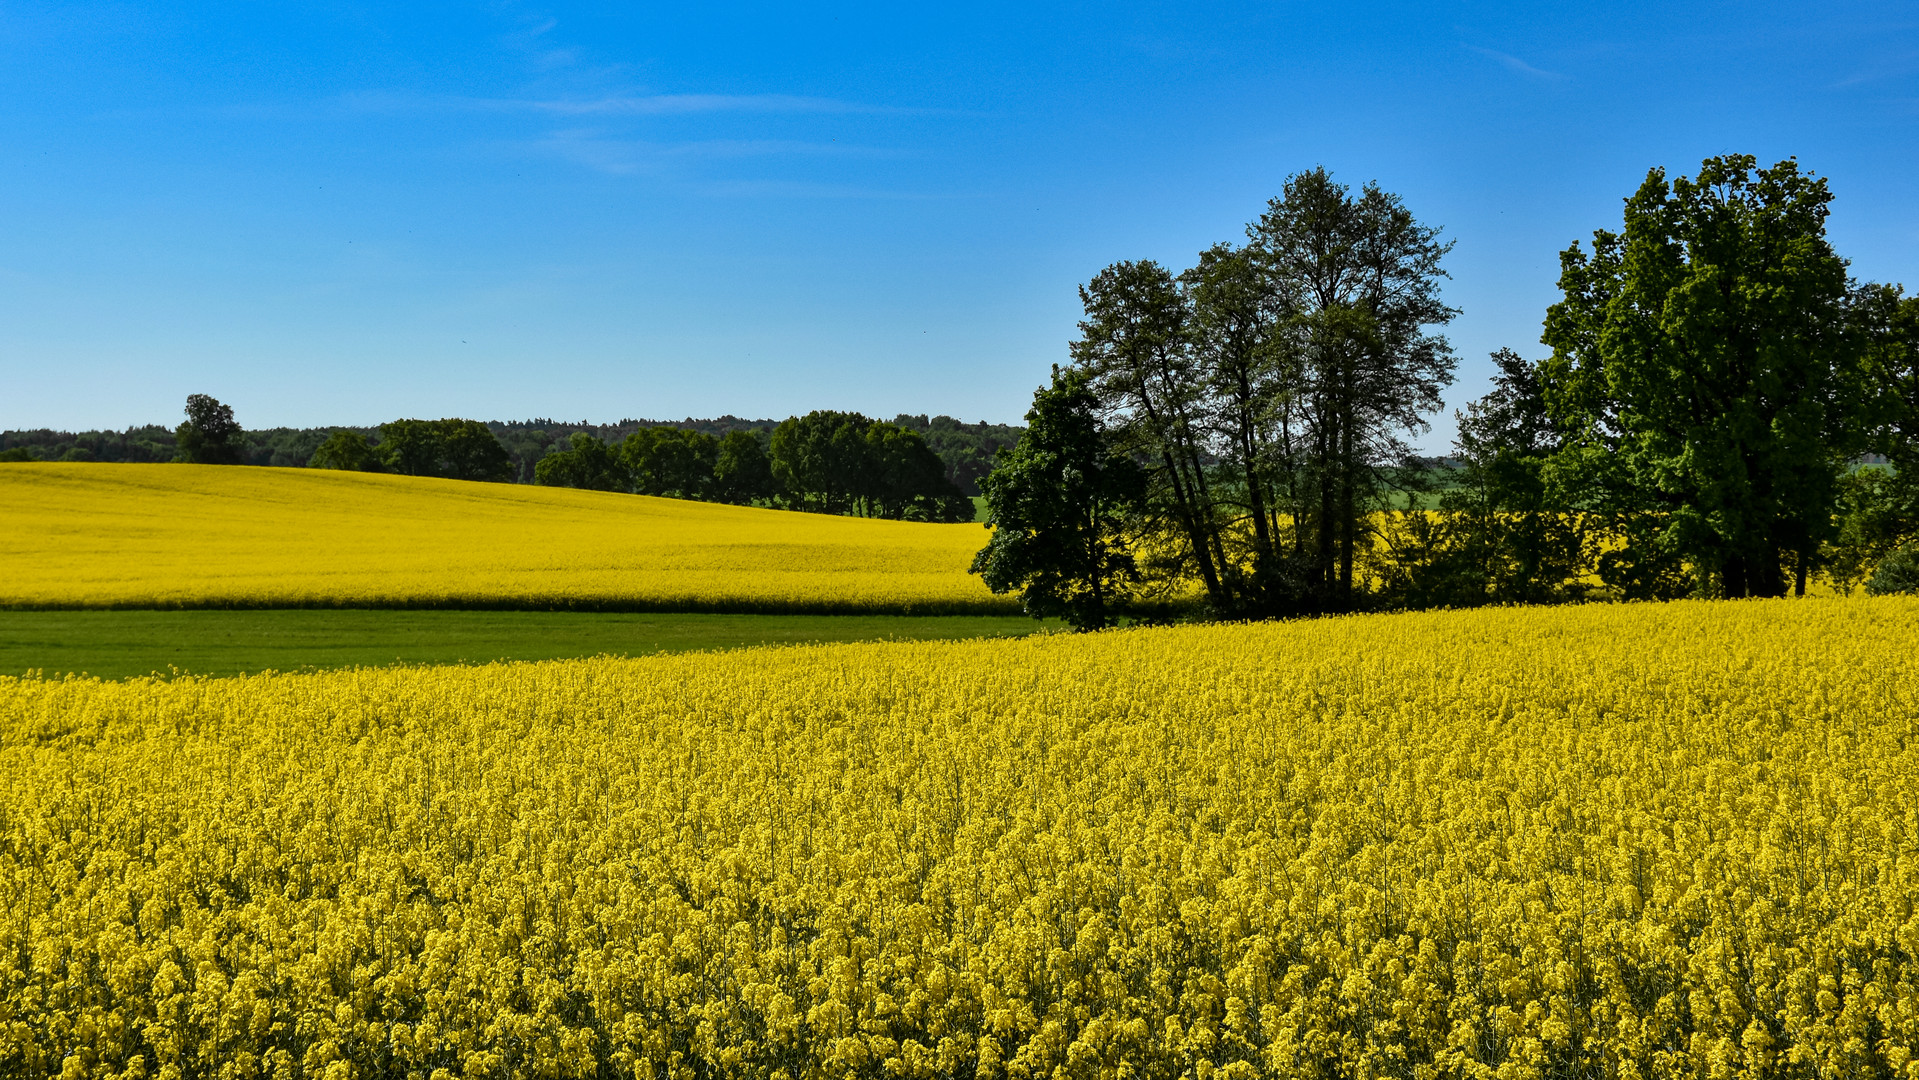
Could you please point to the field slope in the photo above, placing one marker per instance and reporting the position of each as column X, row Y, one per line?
column 164, row 536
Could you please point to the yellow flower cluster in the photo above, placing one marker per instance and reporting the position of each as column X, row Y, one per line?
column 115, row 535
column 1642, row 841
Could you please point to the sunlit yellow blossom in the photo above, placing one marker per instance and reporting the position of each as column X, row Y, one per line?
column 1658, row 841
column 113, row 535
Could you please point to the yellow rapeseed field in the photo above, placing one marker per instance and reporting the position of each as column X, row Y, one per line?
column 114, row 535
column 1641, row 841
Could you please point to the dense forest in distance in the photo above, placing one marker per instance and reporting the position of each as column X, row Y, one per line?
column 967, row 450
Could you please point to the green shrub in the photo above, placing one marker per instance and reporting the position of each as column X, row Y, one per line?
column 1897, row 573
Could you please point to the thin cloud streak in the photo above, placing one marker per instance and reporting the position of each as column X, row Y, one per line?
column 635, row 156
column 622, row 105
column 1514, row 63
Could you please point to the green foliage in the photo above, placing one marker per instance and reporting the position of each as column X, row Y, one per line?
column 742, row 475
column 210, row 435
column 1498, row 537
column 132, row 643
column 1059, row 504
column 452, row 448
column 1710, row 381
column 348, row 450
column 844, row 463
column 16, row 453
column 1898, row 573
column 671, row 461
column 968, row 451
column 816, row 460
column 1135, row 352
column 588, row 463
column 1356, row 293
column 903, row 479
column 1266, row 392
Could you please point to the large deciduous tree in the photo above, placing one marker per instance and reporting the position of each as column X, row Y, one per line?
column 210, row 435
column 452, row 448
column 741, row 472
column 1269, row 390
column 1135, row 350
column 1233, row 328
column 587, row 462
column 347, row 450
column 1357, row 281
column 1713, row 385
column 1059, row 504
column 671, row 461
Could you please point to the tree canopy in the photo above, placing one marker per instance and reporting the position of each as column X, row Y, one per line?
column 210, row 435
column 1712, row 386
column 345, row 450
column 1060, row 504
column 844, row 463
column 453, row 448
column 1268, row 391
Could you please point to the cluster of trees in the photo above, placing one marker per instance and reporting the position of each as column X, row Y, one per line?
column 826, row 462
column 1240, row 430
column 452, row 448
column 142, row 443
column 1265, row 397
column 966, row 451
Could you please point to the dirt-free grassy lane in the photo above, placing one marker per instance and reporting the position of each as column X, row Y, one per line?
column 119, row 644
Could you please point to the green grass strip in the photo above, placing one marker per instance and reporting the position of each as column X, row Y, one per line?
column 121, row 644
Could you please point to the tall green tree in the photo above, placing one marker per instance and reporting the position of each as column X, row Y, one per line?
column 741, row 473
column 210, row 435
column 906, row 480
column 587, row 463
column 1233, row 327
column 1712, row 384
column 344, row 449
column 452, row 448
column 671, row 461
column 1059, row 505
column 1879, row 505
column 1357, row 279
column 820, row 461
column 1135, row 349
column 412, row 447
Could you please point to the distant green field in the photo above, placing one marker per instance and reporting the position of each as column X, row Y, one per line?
column 119, row 644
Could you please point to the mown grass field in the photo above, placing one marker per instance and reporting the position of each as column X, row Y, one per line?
column 182, row 536
column 1613, row 841
column 119, row 643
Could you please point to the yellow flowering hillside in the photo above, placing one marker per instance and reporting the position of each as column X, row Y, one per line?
column 113, row 535
column 1644, row 841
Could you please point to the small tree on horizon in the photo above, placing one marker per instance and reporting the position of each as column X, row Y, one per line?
column 210, row 436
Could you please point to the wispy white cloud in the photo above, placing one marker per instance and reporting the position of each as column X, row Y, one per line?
column 598, row 150
column 686, row 166
column 615, row 105
column 680, row 104
column 1515, row 64
column 1893, row 68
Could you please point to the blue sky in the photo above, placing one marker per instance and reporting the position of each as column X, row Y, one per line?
column 347, row 213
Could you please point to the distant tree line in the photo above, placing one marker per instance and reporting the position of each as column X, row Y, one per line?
column 827, row 462
column 1239, row 432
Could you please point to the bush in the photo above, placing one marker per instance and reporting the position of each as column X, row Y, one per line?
column 1897, row 573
